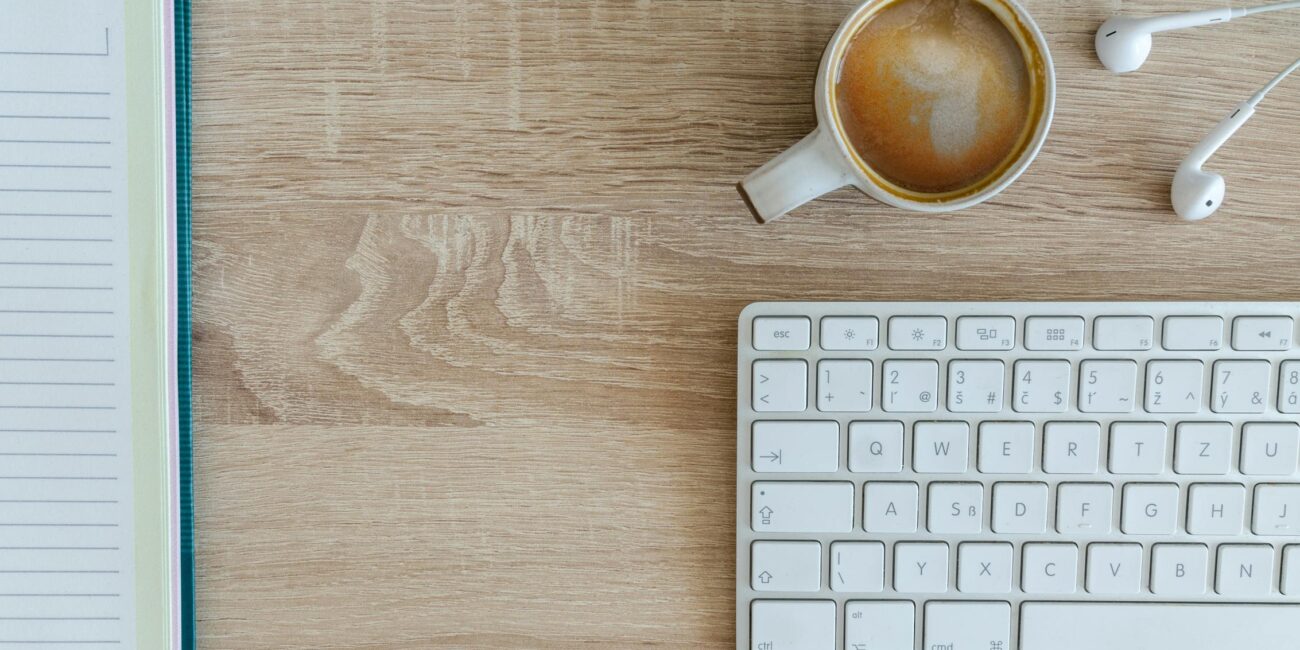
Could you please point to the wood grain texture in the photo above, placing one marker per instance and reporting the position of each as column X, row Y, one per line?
column 467, row 277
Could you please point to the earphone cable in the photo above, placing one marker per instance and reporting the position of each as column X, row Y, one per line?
column 1273, row 7
column 1259, row 96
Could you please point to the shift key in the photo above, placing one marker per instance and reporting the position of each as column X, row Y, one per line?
column 801, row 507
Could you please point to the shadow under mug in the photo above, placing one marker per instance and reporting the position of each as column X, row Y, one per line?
column 825, row 160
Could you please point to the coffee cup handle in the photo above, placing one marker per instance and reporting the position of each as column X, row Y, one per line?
column 811, row 168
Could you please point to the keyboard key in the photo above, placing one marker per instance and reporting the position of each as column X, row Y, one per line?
column 1174, row 386
column 1179, row 569
column 1123, row 332
column 787, row 446
column 1277, row 510
column 1050, row 568
column 1156, row 626
column 1054, row 333
column 1107, row 386
column 1041, row 386
column 1291, row 570
column 910, row 386
column 956, row 508
column 1245, row 570
column 1019, row 508
column 1193, row 333
column 975, row 386
column 1071, row 447
column 967, row 626
column 876, row 447
column 1150, row 509
column 1288, row 399
column 986, row 333
column 850, row 333
column 792, row 625
column 1137, row 447
column 921, row 568
column 785, row 566
column 1203, row 448
column 1241, row 386
column 879, row 626
column 1269, row 448
column 844, row 386
column 780, row 385
column 918, row 333
column 941, row 447
column 797, row 507
column 984, row 568
column 1114, row 569
column 1006, row 447
column 858, row 567
column 782, row 333
column 1083, row 508
column 1216, row 509
column 890, row 507
column 1263, row 333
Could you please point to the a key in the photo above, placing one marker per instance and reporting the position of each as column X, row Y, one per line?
column 956, row 508
column 780, row 385
column 792, row 625
column 1174, row 386
column 1150, row 509
column 910, row 386
column 1137, row 447
column 788, row 446
column 975, row 386
column 967, row 626
column 1050, row 568
column 984, row 568
column 1291, row 570
column 1019, row 508
column 1216, row 509
column 1241, row 386
column 858, row 567
column 1203, row 448
column 1083, row 508
column 1114, row 569
column 918, row 333
column 1193, row 333
column 1123, row 332
column 798, row 507
column 941, row 447
column 1244, row 570
column 844, row 386
column 1288, row 399
column 890, row 507
column 782, row 333
column 1041, row 386
column 1263, row 333
column 785, row 566
column 1006, row 447
column 1054, row 333
column 921, row 567
column 1156, row 626
column 879, row 625
column 850, row 333
column 1179, row 569
column 1107, row 386
column 986, row 333
column 876, row 447
column 1071, row 447
column 1277, row 510
column 1269, row 448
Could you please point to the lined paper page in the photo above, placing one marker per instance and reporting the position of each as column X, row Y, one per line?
column 66, row 522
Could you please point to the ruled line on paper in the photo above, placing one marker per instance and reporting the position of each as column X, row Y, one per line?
column 16, row 263
column 93, row 240
column 106, row 51
column 52, row 190
column 30, row 166
column 102, row 93
column 54, row 117
column 55, row 214
column 95, row 142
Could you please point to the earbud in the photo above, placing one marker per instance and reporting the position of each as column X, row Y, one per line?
column 1196, row 193
column 1123, row 43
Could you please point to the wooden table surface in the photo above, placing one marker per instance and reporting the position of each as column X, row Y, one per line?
column 467, row 278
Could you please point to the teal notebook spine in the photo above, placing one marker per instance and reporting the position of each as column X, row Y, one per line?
column 184, row 387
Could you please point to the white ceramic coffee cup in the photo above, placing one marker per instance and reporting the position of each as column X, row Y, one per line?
column 825, row 160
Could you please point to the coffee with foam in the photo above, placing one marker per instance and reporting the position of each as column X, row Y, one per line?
column 935, row 96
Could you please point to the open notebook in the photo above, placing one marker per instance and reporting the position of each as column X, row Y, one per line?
column 94, row 325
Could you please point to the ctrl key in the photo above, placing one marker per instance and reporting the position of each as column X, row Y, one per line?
column 792, row 625
column 968, row 626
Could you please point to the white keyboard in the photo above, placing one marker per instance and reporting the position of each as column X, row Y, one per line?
column 1018, row 476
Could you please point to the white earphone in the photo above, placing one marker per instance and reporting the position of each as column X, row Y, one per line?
column 1123, row 45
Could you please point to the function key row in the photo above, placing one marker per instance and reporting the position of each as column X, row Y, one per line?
column 1042, row 333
